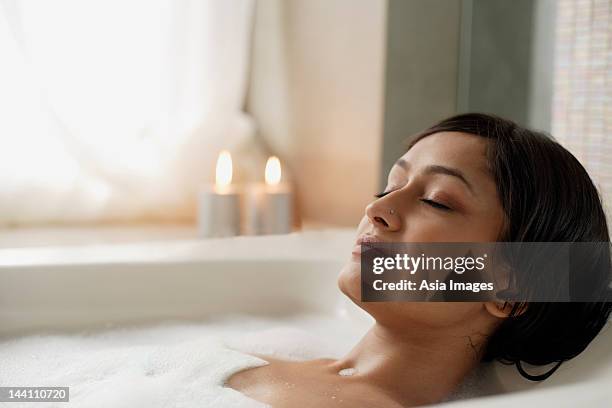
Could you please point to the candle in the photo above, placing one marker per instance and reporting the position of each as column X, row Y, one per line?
column 219, row 205
column 268, row 206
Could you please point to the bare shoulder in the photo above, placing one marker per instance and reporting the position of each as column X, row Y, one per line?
column 276, row 373
column 254, row 377
column 306, row 384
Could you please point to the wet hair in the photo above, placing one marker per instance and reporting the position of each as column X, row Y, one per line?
column 547, row 196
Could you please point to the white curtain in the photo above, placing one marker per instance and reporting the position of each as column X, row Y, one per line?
column 582, row 90
column 117, row 109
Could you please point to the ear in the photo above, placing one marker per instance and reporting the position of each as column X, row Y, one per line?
column 498, row 309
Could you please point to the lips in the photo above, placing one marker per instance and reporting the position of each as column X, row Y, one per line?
column 367, row 238
column 364, row 239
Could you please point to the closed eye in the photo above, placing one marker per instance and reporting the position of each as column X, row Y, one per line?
column 436, row 204
column 427, row 201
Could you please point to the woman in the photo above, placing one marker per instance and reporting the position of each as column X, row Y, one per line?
column 470, row 178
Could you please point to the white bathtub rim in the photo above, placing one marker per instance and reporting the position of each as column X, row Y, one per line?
column 332, row 246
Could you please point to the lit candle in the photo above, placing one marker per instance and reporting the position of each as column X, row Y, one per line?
column 219, row 205
column 269, row 206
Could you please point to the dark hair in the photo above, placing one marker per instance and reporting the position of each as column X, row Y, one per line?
column 547, row 196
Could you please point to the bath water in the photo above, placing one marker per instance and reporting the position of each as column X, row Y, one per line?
column 167, row 365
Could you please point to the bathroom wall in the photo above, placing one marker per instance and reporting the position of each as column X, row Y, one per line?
column 337, row 87
column 507, row 59
column 542, row 65
column 496, row 57
column 317, row 86
column 421, row 70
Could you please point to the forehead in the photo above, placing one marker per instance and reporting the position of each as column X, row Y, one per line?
column 463, row 151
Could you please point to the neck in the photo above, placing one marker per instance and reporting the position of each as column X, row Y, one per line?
column 416, row 368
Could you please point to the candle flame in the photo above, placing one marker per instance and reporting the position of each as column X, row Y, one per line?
column 223, row 174
column 273, row 171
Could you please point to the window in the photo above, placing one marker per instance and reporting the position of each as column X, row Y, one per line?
column 116, row 109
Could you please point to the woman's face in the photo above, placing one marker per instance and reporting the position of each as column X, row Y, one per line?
column 439, row 191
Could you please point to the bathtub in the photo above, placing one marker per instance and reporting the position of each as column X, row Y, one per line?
column 72, row 288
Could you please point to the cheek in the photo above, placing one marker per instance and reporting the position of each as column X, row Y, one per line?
column 440, row 229
column 421, row 229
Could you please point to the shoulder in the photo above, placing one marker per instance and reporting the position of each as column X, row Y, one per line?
column 289, row 384
column 275, row 372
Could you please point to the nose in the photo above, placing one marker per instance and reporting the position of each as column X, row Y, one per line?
column 382, row 215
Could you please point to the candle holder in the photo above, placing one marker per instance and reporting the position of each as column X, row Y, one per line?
column 218, row 213
column 268, row 206
column 219, row 205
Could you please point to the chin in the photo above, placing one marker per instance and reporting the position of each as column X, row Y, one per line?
column 400, row 314
column 349, row 281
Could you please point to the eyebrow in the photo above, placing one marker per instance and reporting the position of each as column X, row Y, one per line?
column 438, row 169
